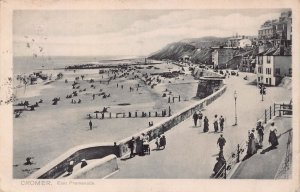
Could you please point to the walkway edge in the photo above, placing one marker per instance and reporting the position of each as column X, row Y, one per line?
column 231, row 173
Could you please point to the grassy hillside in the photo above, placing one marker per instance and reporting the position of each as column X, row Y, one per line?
column 197, row 48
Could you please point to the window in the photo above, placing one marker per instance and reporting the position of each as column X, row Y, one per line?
column 259, row 70
column 268, row 71
column 268, row 59
column 290, row 71
column 277, row 71
column 260, row 59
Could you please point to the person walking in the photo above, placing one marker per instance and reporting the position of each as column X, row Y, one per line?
column 195, row 117
column 252, row 149
column 206, row 125
column 157, row 142
column 272, row 136
column 221, row 120
column 219, row 167
column 131, row 147
column 221, row 142
column 200, row 117
column 91, row 125
column 162, row 141
column 139, row 146
column 216, row 127
column 260, row 133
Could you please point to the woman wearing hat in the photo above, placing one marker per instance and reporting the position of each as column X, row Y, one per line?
column 260, row 133
column 272, row 136
column 252, row 149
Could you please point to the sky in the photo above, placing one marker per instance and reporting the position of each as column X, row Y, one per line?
column 125, row 32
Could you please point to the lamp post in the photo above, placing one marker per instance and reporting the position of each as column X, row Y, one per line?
column 235, row 113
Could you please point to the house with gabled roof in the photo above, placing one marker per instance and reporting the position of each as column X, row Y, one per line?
column 273, row 64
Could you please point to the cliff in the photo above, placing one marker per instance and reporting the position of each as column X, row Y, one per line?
column 198, row 49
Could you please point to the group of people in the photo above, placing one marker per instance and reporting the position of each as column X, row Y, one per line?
column 218, row 122
column 141, row 146
column 160, row 142
column 256, row 137
column 220, row 166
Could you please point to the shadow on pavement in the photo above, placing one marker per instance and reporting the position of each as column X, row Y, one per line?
column 268, row 149
column 126, row 158
column 160, row 149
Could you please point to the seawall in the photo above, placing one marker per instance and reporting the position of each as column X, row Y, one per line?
column 99, row 150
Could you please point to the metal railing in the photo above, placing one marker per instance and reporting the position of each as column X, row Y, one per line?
column 235, row 156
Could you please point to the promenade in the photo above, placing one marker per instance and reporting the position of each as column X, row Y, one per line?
column 189, row 152
column 265, row 163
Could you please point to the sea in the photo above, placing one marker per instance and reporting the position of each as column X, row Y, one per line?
column 28, row 64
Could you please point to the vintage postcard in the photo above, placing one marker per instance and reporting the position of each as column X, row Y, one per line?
column 149, row 96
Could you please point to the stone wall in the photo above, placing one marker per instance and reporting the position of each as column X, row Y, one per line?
column 172, row 121
column 98, row 169
column 96, row 151
column 59, row 165
column 207, row 86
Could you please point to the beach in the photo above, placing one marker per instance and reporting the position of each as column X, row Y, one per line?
column 50, row 130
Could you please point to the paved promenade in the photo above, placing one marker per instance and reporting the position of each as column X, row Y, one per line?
column 190, row 153
column 265, row 163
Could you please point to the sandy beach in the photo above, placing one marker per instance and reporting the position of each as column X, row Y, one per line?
column 65, row 125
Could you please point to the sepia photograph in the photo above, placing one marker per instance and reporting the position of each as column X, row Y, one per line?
column 151, row 94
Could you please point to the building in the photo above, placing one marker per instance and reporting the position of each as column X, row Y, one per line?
column 221, row 55
column 248, row 60
column 239, row 41
column 267, row 30
column 247, row 64
column 277, row 31
column 273, row 64
column 244, row 43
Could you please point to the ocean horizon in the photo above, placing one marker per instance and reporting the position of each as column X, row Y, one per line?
column 27, row 64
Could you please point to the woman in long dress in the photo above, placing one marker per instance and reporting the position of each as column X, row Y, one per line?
column 206, row 125
column 272, row 136
column 252, row 148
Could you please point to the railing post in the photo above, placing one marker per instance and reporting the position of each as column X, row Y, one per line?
column 270, row 112
column 225, row 171
column 238, row 154
column 279, row 110
column 265, row 116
